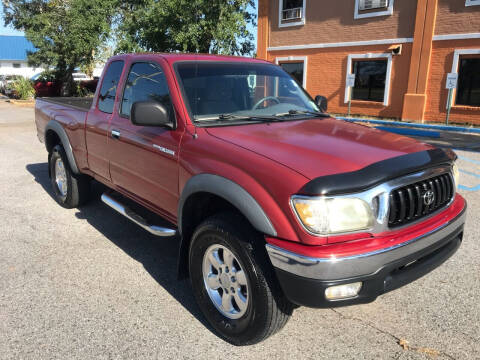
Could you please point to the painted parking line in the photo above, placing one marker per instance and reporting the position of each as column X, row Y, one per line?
column 409, row 132
column 467, row 188
column 463, row 187
column 468, row 159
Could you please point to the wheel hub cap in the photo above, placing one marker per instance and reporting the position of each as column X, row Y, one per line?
column 225, row 281
column 61, row 177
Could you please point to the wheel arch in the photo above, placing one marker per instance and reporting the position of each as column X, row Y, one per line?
column 56, row 134
column 213, row 193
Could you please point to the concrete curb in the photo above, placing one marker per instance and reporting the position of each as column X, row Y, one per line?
column 23, row 103
column 414, row 125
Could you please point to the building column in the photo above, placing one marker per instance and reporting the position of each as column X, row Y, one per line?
column 415, row 99
column 263, row 29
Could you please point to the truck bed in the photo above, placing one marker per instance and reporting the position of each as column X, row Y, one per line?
column 79, row 103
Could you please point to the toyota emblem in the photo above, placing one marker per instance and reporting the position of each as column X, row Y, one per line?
column 428, row 197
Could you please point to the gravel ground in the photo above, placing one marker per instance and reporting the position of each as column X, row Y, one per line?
column 87, row 283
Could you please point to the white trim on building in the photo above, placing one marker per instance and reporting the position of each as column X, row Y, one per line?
column 359, row 15
column 472, row 2
column 457, row 36
column 278, row 60
column 371, row 56
column 341, row 44
column 371, row 42
column 293, row 23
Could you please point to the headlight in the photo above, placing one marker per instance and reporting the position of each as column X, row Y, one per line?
column 456, row 174
column 324, row 216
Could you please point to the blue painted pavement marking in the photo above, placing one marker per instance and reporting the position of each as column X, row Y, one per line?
column 468, row 159
column 470, row 173
column 476, row 162
column 463, row 187
column 411, row 132
column 467, row 188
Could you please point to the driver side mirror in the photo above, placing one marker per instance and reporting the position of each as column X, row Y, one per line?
column 150, row 113
column 321, row 102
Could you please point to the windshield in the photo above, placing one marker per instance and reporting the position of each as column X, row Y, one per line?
column 232, row 91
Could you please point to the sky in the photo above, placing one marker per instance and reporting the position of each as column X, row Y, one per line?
column 9, row 31
column 6, row 30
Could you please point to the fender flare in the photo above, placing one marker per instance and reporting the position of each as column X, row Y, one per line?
column 56, row 127
column 231, row 192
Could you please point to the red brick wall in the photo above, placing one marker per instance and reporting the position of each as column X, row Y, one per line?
column 326, row 72
column 453, row 17
column 441, row 65
column 330, row 21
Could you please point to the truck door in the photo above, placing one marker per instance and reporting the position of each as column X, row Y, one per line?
column 96, row 128
column 144, row 159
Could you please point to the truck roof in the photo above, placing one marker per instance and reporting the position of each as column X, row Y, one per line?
column 174, row 57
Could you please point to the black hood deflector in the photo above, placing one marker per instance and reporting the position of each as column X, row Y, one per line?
column 377, row 173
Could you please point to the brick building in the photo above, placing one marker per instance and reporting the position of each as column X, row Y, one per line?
column 400, row 52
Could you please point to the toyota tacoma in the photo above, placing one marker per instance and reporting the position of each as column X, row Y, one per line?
column 275, row 203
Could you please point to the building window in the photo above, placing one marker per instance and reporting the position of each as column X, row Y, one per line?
column 372, row 77
column 17, row 65
column 472, row 2
column 295, row 69
column 291, row 12
column 468, row 86
column 371, row 8
column 466, row 65
column 296, row 66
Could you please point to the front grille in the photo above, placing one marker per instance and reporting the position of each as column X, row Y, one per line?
column 412, row 202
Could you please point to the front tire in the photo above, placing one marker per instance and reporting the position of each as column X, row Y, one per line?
column 234, row 282
column 70, row 190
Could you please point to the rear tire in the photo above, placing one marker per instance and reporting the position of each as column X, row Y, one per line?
column 70, row 190
column 265, row 309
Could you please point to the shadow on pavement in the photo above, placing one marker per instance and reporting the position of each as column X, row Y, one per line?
column 158, row 255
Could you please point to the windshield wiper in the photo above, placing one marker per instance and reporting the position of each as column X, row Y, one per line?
column 222, row 117
column 302, row 112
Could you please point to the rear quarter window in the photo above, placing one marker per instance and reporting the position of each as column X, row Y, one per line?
column 106, row 97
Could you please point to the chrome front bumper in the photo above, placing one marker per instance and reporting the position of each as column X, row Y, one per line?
column 367, row 264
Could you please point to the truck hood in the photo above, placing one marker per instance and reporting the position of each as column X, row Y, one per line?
column 320, row 146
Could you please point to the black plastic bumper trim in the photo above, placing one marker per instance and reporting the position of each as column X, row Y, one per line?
column 311, row 293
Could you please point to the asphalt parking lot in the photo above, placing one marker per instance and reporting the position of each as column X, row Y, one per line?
column 87, row 283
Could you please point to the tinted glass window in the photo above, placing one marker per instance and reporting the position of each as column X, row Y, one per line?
column 468, row 87
column 369, row 80
column 241, row 89
column 106, row 98
column 146, row 82
column 291, row 4
column 294, row 69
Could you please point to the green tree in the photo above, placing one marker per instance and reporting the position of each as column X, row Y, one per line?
column 206, row 26
column 66, row 33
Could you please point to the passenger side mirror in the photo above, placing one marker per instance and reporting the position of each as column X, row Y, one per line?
column 150, row 113
column 321, row 102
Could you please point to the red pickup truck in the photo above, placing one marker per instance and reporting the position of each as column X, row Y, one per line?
column 275, row 203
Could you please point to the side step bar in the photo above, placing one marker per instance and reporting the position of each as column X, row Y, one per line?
column 137, row 219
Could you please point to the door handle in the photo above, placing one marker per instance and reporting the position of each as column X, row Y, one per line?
column 115, row 134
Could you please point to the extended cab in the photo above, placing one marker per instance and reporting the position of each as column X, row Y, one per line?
column 275, row 203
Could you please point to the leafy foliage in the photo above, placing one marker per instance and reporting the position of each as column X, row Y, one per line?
column 23, row 88
column 207, row 26
column 65, row 32
column 70, row 34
